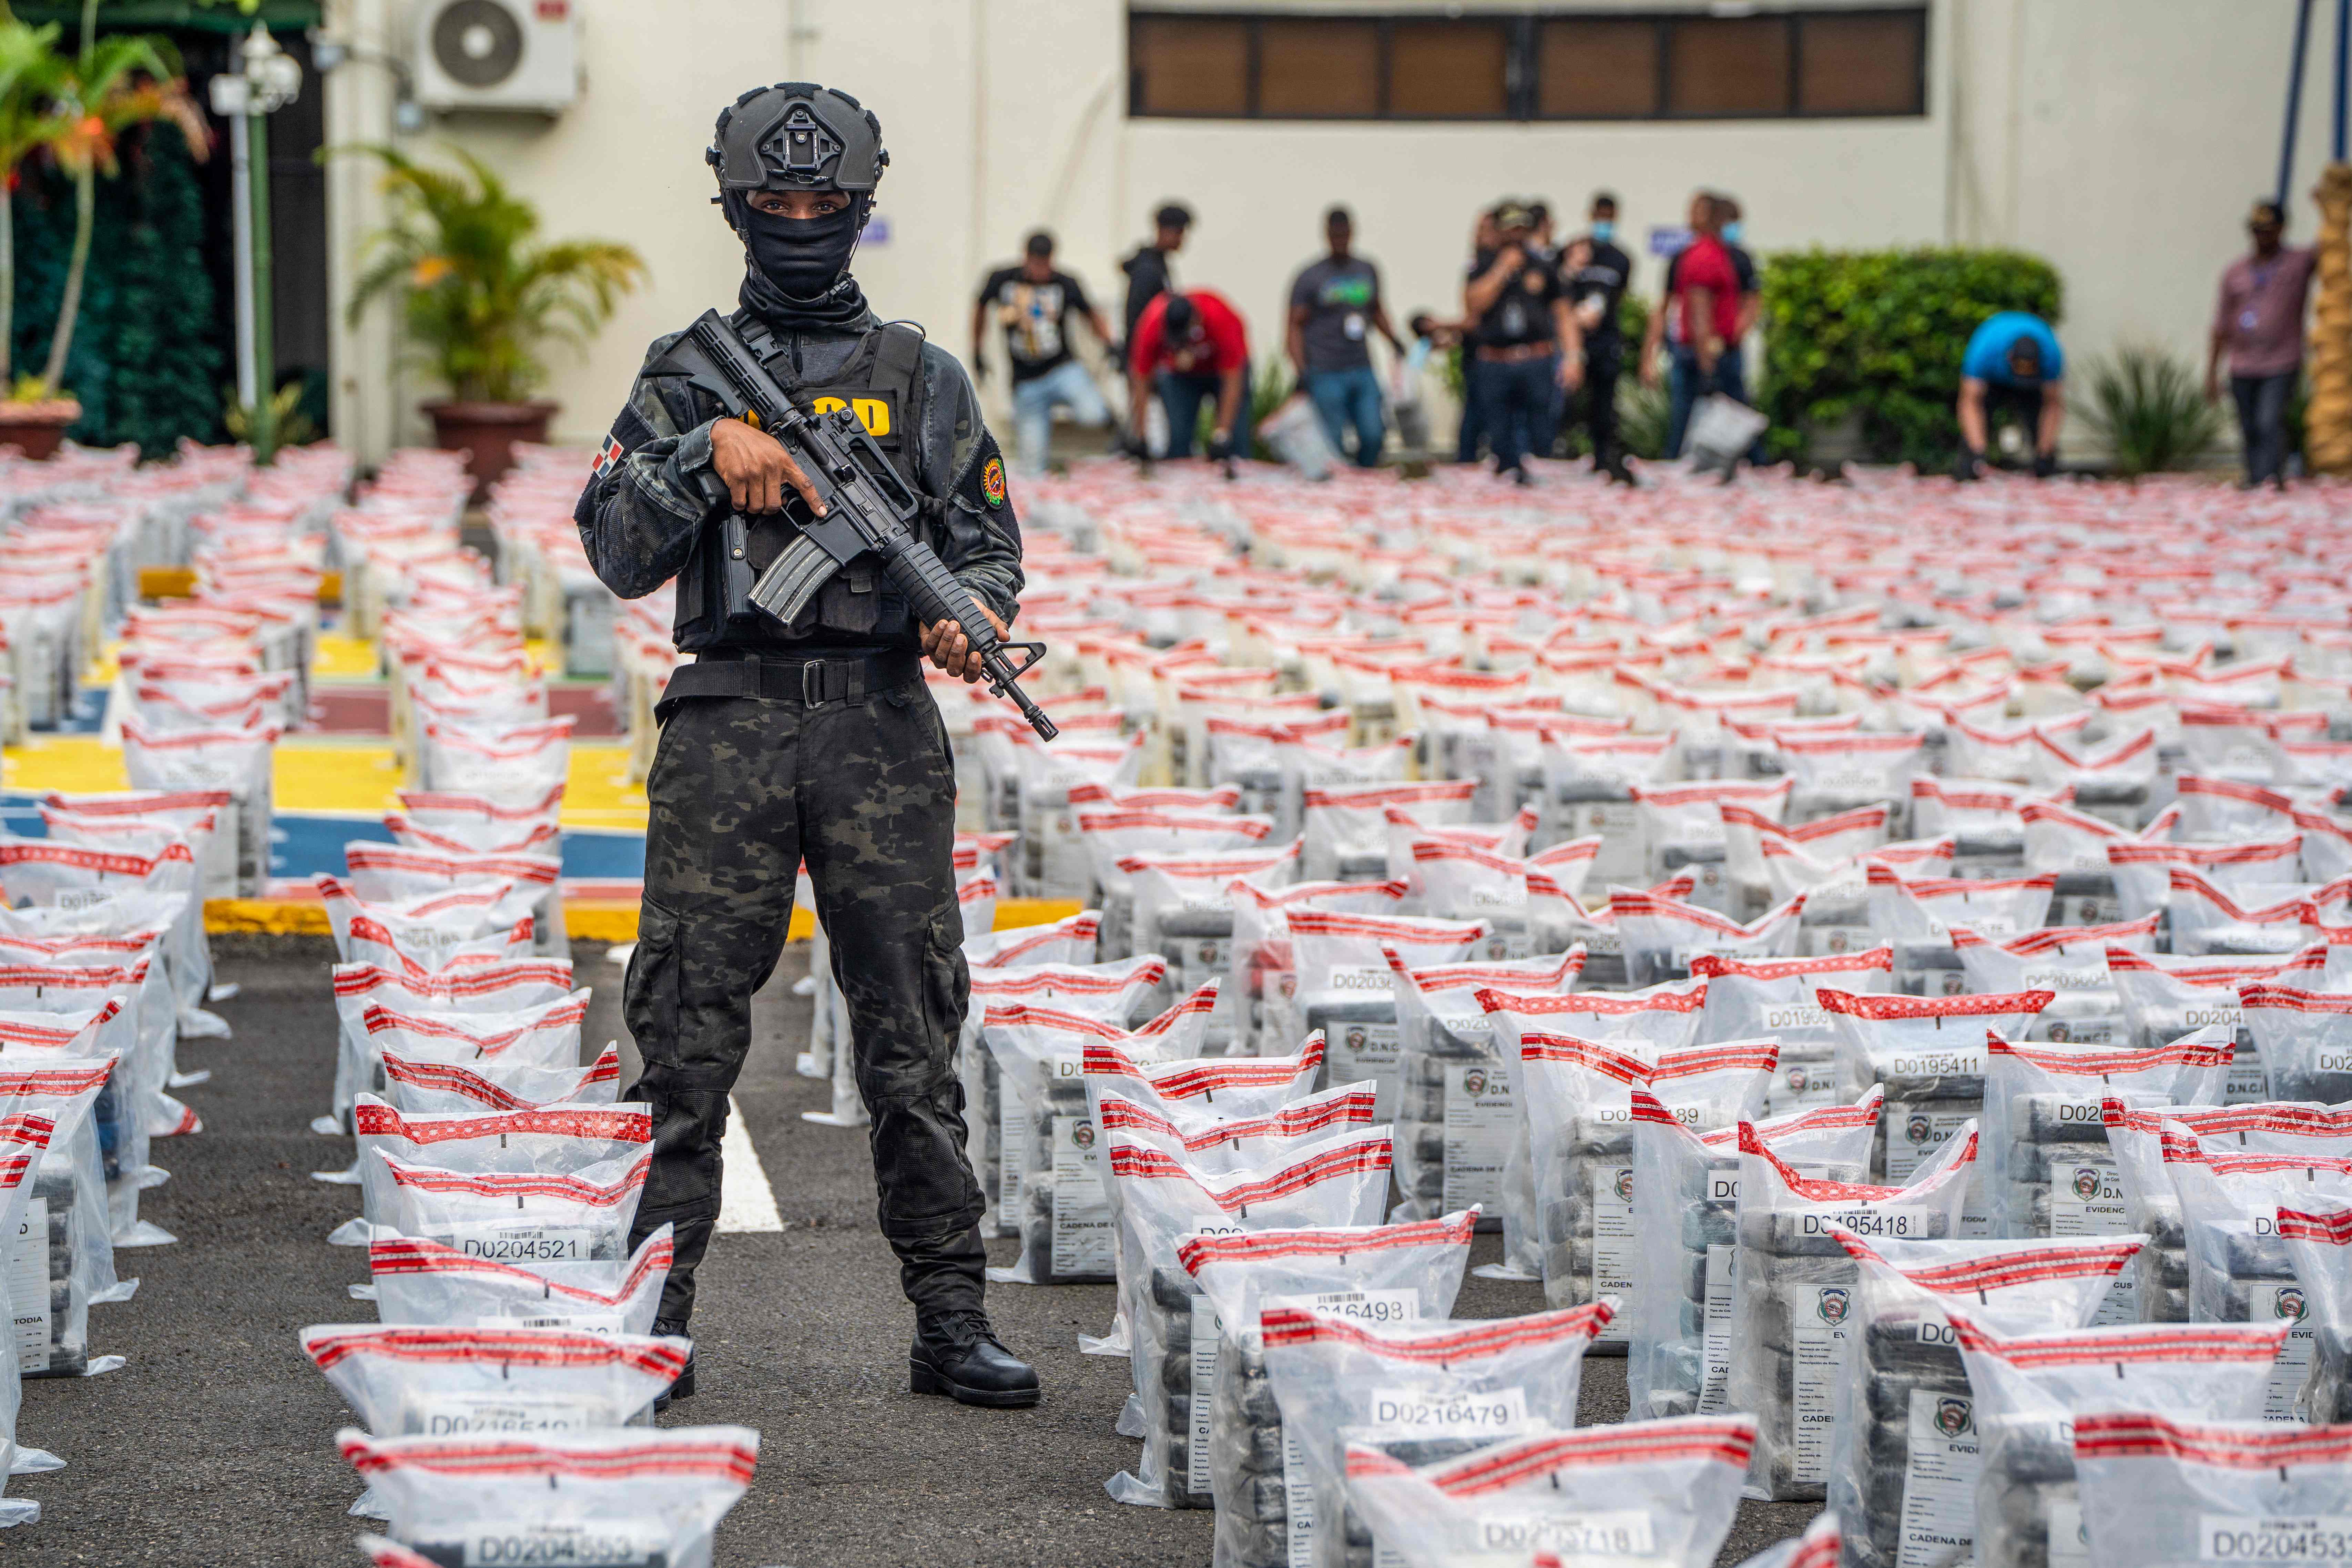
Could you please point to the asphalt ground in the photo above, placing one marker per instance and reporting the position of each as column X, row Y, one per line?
column 214, row 1447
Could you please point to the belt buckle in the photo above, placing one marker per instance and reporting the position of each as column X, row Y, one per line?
column 813, row 683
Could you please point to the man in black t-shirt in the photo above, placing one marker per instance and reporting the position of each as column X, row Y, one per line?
column 1335, row 307
column 1524, row 339
column 1149, row 272
column 1596, row 288
column 1034, row 303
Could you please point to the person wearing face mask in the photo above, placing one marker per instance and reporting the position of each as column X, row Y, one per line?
column 1596, row 289
column 815, row 741
column 1751, row 291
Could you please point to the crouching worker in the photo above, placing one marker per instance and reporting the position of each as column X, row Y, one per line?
column 2012, row 365
column 812, row 741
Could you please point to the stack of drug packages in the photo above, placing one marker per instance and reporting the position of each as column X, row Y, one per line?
column 540, row 550
column 104, row 968
column 1955, row 859
column 78, row 529
column 506, row 1391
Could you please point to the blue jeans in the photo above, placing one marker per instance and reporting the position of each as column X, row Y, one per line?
column 2261, row 422
column 1066, row 385
column 1520, row 399
column 1181, row 396
column 1686, row 385
column 1345, row 397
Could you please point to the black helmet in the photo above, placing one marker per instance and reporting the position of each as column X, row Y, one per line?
column 797, row 135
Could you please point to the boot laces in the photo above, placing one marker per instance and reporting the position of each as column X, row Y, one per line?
column 964, row 1328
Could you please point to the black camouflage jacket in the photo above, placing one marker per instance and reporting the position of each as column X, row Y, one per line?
column 653, row 490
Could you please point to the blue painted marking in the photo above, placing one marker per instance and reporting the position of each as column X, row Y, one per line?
column 305, row 842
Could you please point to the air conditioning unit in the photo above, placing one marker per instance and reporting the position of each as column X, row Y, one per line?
column 498, row 55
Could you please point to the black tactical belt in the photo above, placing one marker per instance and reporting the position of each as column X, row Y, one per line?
column 811, row 681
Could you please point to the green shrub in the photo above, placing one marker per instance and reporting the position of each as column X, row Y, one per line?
column 147, row 362
column 1270, row 387
column 2150, row 410
column 1641, row 416
column 1883, row 331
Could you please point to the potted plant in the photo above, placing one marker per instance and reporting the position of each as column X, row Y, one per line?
column 78, row 108
column 481, row 295
column 30, row 75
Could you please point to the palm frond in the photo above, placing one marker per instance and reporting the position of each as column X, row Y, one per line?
column 2147, row 408
column 477, row 298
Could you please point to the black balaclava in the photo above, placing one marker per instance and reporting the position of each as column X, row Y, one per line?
column 803, row 257
column 799, row 137
column 796, row 270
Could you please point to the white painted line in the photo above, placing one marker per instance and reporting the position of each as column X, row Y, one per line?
column 745, row 1202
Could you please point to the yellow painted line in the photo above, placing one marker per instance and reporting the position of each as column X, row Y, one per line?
column 327, row 774
column 587, row 919
column 275, row 917
column 179, row 582
column 345, row 658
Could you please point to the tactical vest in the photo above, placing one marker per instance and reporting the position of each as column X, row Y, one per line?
column 882, row 382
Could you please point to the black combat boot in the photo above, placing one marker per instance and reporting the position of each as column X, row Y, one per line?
column 958, row 1354
column 684, row 1387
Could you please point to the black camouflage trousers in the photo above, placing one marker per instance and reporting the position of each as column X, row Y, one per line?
column 742, row 790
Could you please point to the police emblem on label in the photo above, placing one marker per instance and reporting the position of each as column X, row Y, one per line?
column 1918, row 1130
column 1953, row 1417
column 2086, row 1182
column 1833, row 1305
column 1083, row 1135
column 2287, row 1303
column 1473, row 1083
column 1624, row 1186
column 992, row 482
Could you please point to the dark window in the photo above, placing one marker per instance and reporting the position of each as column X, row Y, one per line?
column 1310, row 68
column 1771, row 64
column 1863, row 63
column 1728, row 66
column 1449, row 70
column 1597, row 69
column 1188, row 65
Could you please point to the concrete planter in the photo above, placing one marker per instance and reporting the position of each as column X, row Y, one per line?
column 36, row 428
column 487, row 433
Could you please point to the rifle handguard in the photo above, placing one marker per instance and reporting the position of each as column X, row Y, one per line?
column 936, row 596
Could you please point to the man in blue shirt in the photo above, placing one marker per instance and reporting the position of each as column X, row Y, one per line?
column 2012, row 365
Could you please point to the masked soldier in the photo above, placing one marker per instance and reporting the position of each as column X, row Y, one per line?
column 812, row 741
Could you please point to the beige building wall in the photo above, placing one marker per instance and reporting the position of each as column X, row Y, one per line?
column 2122, row 139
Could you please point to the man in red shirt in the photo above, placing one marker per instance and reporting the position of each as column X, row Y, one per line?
column 1698, row 321
column 1188, row 348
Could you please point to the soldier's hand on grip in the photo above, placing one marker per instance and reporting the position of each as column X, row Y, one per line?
column 757, row 469
column 946, row 645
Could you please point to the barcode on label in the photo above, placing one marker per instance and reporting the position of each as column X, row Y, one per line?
column 1450, row 1414
column 1621, row 1532
column 617, row 1544
column 2310, row 1538
column 1361, row 1305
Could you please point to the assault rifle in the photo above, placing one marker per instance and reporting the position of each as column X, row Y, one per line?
column 868, row 508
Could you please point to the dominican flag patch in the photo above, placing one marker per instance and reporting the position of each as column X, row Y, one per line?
column 606, row 456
